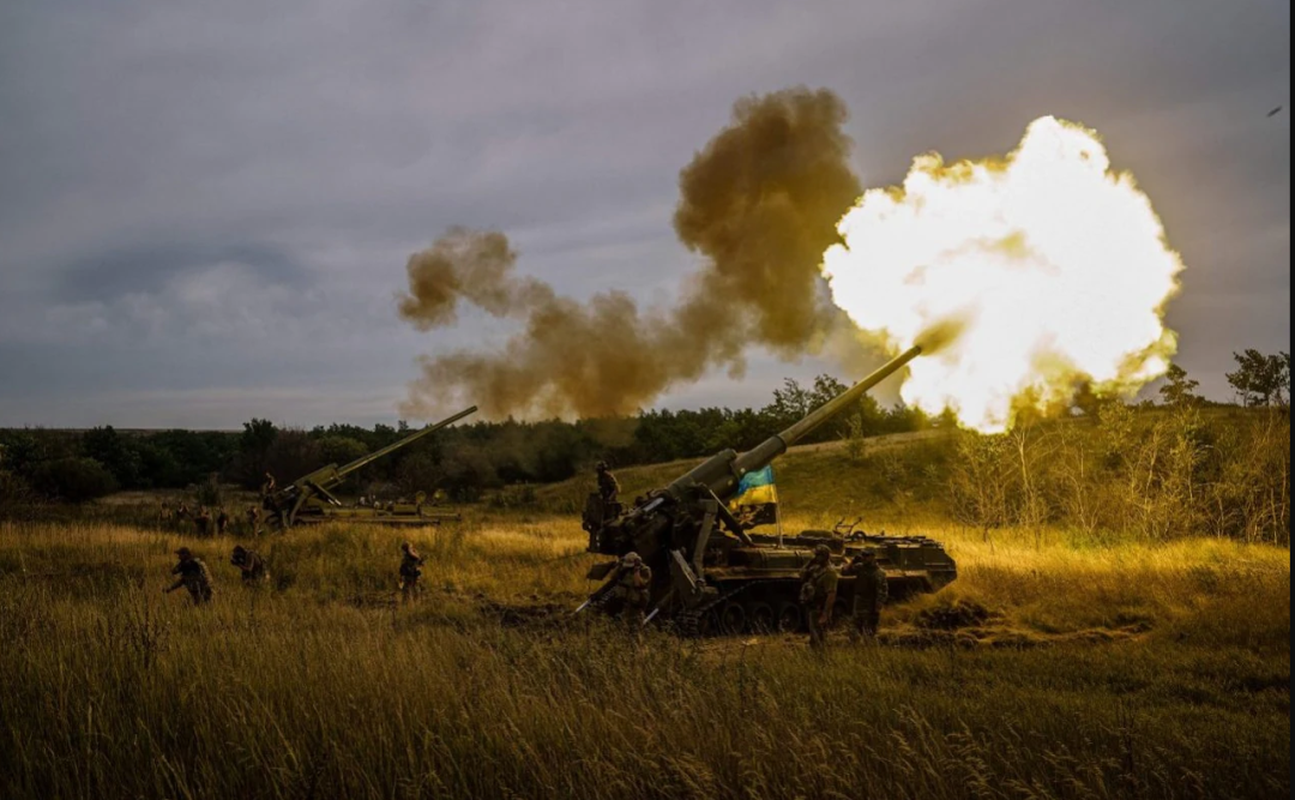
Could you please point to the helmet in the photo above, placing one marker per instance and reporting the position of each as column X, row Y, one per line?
column 869, row 554
column 406, row 546
column 183, row 552
column 632, row 559
column 822, row 551
column 601, row 466
column 238, row 548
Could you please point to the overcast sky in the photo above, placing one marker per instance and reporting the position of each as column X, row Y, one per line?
column 205, row 208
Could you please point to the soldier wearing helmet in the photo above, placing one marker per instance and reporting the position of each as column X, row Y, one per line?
column 818, row 594
column 193, row 576
column 870, row 593
column 633, row 584
column 250, row 565
column 410, row 571
column 608, row 487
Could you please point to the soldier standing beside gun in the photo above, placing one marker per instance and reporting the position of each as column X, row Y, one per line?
column 410, row 572
column 632, row 583
column 608, row 487
column 818, row 594
column 250, row 565
column 193, row 576
column 870, row 593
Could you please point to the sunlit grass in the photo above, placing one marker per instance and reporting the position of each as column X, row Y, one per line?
column 323, row 685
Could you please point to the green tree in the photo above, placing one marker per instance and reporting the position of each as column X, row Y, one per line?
column 115, row 452
column 1261, row 379
column 75, row 479
column 1179, row 390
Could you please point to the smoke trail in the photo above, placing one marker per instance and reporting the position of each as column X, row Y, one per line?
column 760, row 202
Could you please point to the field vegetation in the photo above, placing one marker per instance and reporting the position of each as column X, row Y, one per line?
column 1054, row 667
column 1120, row 626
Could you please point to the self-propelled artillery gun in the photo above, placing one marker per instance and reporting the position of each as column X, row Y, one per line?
column 712, row 573
column 310, row 499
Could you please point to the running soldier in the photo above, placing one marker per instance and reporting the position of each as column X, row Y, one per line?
column 250, row 565
column 193, row 576
column 410, row 572
column 818, row 594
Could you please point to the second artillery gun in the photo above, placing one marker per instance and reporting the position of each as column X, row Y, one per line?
column 711, row 573
column 310, row 498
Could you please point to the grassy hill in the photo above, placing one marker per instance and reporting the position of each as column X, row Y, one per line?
column 884, row 477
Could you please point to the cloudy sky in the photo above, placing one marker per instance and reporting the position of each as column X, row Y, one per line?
column 205, row 208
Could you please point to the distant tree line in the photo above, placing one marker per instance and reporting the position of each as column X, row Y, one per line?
column 465, row 461
column 460, row 462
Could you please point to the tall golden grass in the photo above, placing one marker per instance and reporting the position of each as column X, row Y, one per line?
column 1126, row 671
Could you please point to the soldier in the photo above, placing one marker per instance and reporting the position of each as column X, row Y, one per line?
column 222, row 522
column 270, row 484
column 254, row 520
column 818, row 594
column 182, row 512
column 608, row 486
column 193, row 576
column 202, row 521
column 634, row 578
column 410, row 572
column 250, row 565
column 163, row 513
column 870, row 593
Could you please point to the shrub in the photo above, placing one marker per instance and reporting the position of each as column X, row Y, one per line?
column 75, row 479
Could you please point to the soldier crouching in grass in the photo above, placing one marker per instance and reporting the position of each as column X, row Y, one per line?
column 193, row 576
column 818, row 595
column 410, row 571
column 250, row 565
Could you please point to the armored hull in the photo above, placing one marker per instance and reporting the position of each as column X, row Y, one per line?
column 712, row 572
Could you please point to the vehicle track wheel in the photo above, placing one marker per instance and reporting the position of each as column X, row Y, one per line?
column 760, row 618
column 789, row 618
column 732, row 618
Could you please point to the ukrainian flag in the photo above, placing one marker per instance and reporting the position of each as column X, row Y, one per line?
column 756, row 489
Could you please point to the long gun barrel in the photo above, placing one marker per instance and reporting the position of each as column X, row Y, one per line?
column 722, row 472
column 343, row 471
column 315, row 486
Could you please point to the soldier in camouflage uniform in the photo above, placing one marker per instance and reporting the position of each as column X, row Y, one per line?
column 633, row 581
column 410, row 572
column 608, row 487
column 818, row 594
column 870, row 593
column 222, row 522
column 193, row 576
column 250, row 565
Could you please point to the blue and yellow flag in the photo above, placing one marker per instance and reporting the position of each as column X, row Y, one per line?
column 756, row 490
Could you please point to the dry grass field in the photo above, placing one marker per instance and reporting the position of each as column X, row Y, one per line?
column 1056, row 670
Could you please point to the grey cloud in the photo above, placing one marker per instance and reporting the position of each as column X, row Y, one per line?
column 146, row 268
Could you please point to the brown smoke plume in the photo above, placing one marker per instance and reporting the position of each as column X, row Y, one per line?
column 760, row 202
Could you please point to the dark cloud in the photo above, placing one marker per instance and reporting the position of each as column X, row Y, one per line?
column 147, row 268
